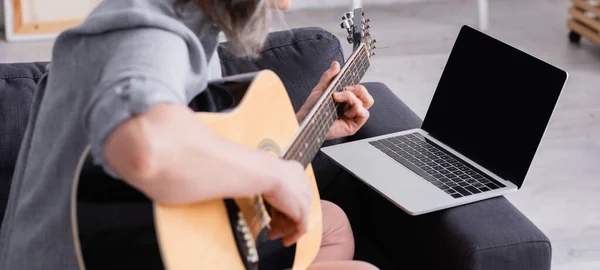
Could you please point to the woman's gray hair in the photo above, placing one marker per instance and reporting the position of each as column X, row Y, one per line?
column 245, row 23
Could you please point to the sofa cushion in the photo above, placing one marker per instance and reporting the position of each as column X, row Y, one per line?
column 17, row 84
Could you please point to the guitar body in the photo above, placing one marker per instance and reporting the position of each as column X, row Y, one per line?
column 264, row 119
column 196, row 236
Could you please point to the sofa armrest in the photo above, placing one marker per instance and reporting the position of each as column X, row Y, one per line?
column 490, row 234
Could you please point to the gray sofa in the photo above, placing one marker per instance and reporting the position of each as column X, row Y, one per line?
column 491, row 234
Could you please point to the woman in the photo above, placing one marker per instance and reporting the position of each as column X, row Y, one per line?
column 121, row 82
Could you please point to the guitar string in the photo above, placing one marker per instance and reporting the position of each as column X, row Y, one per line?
column 322, row 122
column 343, row 79
column 324, row 128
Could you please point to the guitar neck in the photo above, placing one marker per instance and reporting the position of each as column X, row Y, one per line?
column 317, row 123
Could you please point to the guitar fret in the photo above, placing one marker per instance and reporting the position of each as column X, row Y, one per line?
column 311, row 138
column 312, row 130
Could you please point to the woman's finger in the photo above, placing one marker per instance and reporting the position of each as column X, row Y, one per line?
column 328, row 75
column 352, row 111
column 281, row 227
column 348, row 97
column 363, row 94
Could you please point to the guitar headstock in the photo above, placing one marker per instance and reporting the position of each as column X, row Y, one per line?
column 358, row 29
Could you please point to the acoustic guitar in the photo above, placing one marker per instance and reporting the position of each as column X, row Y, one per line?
column 110, row 217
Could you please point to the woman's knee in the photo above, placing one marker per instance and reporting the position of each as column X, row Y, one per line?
column 338, row 238
column 335, row 216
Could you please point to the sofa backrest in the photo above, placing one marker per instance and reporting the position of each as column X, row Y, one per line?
column 298, row 57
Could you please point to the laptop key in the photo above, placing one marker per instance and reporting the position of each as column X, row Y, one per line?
column 445, row 180
column 479, row 177
column 473, row 189
column 434, row 181
column 484, row 189
column 397, row 157
column 394, row 140
column 424, row 159
column 440, row 185
column 388, row 143
column 444, row 172
column 497, row 183
column 446, row 187
column 375, row 143
column 491, row 185
column 456, row 195
column 462, row 191
column 437, row 175
column 445, row 164
column 455, row 178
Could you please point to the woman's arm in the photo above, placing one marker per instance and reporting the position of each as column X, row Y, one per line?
column 171, row 156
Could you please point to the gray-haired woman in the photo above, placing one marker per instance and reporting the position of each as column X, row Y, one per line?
column 120, row 82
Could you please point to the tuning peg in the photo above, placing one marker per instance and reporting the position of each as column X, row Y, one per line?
column 373, row 53
column 348, row 15
column 346, row 24
column 368, row 21
column 350, row 39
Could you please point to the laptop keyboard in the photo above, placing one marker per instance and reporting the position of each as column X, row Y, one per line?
column 441, row 168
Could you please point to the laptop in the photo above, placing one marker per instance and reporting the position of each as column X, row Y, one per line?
column 478, row 139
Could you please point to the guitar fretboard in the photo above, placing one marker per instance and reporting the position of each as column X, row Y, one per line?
column 311, row 137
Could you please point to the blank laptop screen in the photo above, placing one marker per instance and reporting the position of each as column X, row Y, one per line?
column 493, row 103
